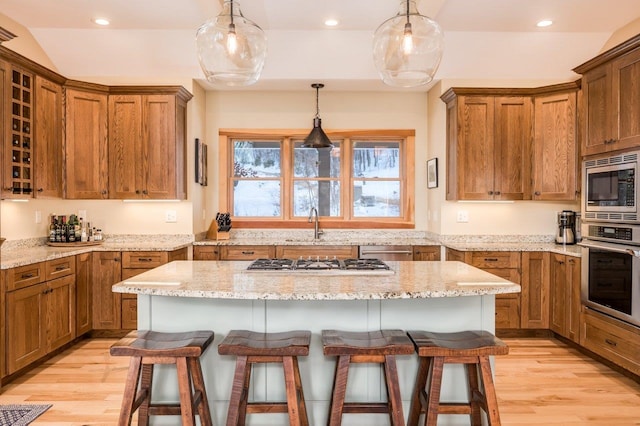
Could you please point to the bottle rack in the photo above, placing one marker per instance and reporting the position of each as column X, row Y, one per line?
column 21, row 113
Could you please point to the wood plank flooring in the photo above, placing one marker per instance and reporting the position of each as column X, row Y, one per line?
column 541, row 382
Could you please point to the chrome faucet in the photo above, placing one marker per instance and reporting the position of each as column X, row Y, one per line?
column 316, row 225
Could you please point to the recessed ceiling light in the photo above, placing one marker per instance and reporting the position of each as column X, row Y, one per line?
column 544, row 23
column 331, row 22
column 101, row 21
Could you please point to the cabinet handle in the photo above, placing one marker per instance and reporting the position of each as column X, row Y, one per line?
column 248, row 252
column 145, row 259
column 561, row 262
column 25, row 276
column 40, row 189
column 490, row 259
column 61, row 268
column 571, row 261
column 117, row 259
column 611, row 342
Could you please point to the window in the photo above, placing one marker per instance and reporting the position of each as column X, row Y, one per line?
column 365, row 180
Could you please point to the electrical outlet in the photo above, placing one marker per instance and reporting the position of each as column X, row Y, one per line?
column 463, row 216
column 38, row 216
column 171, row 216
column 82, row 215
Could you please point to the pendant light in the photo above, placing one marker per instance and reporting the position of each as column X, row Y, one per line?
column 231, row 48
column 407, row 48
column 317, row 138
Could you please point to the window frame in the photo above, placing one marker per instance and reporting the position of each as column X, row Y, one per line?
column 288, row 137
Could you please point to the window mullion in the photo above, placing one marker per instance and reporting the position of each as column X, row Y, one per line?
column 287, row 178
column 346, row 179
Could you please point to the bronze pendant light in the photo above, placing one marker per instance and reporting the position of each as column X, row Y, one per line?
column 317, row 138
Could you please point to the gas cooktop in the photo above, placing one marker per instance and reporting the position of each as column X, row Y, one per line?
column 318, row 264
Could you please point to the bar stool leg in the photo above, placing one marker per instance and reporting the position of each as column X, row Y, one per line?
column 418, row 389
column 339, row 390
column 396, row 414
column 238, row 402
column 474, row 394
column 303, row 408
column 186, row 397
column 201, row 392
column 433, row 398
column 489, row 392
column 130, row 390
column 146, row 383
column 293, row 404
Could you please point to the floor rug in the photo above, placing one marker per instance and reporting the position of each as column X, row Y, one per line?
column 20, row 415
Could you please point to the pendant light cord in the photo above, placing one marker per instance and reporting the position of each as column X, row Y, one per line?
column 231, row 14
column 408, row 22
column 317, row 102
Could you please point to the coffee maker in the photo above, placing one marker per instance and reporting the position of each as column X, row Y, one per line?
column 566, row 227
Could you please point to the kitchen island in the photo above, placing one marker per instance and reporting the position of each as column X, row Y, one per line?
column 220, row 296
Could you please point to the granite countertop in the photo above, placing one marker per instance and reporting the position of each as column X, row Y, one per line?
column 20, row 256
column 334, row 241
column 231, row 280
column 571, row 250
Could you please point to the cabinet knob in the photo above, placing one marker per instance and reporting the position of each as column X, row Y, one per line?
column 104, row 192
column 138, row 191
column 117, row 259
column 497, row 192
column 536, row 193
column 145, row 192
column 40, row 189
column 490, row 192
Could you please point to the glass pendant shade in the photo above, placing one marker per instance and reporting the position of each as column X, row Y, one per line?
column 317, row 138
column 231, row 48
column 407, row 48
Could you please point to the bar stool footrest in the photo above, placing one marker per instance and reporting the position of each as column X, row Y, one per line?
column 366, row 407
column 266, row 407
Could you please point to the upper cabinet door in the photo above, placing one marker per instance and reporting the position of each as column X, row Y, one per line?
column 475, row 148
column 512, row 147
column 126, row 147
column 555, row 173
column 626, row 100
column 160, row 144
column 86, row 145
column 596, row 86
column 48, row 156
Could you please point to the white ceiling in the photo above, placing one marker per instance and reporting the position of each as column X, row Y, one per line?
column 484, row 39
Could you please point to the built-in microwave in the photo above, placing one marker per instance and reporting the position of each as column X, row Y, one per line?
column 610, row 193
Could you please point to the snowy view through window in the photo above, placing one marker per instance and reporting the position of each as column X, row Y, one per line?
column 317, row 179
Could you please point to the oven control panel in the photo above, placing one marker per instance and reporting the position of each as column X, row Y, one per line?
column 614, row 233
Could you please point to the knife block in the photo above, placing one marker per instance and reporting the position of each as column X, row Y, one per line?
column 214, row 234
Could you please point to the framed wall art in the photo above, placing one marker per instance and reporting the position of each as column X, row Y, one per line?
column 432, row 173
column 201, row 162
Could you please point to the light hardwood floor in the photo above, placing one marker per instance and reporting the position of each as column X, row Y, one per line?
column 541, row 382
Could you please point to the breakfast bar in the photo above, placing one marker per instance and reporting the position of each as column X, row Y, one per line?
column 221, row 296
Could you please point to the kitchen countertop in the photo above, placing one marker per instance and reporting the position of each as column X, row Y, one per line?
column 570, row 250
column 231, row 280
column 20, row 256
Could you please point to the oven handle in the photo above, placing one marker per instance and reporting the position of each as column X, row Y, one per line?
column 610, row 247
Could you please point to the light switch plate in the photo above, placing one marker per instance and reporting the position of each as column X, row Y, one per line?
column 171, row 216
column 38, row 216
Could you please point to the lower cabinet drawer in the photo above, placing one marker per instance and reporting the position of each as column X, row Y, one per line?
column 247, row 252
column 508, row 311
column 495, row 259
column 129, row 311
column 612, row 339
column 144, row 259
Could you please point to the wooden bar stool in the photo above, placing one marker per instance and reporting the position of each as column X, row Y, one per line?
column 147, row 348
column 260, row 348
column 380, row 347
column 471, row 348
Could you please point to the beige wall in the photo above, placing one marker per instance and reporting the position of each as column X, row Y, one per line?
column 24, row 43
column 338, row 110
column 623, row 34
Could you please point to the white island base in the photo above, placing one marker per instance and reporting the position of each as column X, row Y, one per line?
column 444, row 314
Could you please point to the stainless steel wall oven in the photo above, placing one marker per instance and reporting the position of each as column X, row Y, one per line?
column 611, row 269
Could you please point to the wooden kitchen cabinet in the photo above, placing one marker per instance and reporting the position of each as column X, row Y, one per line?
column 206, row 252
column 247, row 252
column 323, row 252
column 488, row 145
column 86, row 168
column 84, row 284
column 534, row 296
column 611, row 97
column 426, row 252
column 565, row 296
column 48, row 158
column 18, row 91
column 612, row 339
column 555, row 149
column 504, row 264
column 147, row 130
column 42, row 319
column 106, row 270
column 137, row 262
